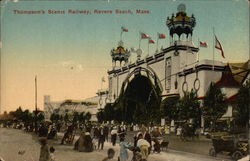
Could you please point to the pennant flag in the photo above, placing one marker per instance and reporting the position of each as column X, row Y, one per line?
column 124, row 29
column 203, row 44
column 219, row 47
column 150, row 41
column 161, row 36
column 144, row 36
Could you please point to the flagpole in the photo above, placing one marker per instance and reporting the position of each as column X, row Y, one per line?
column 36, row 126
column 121, row 35
column 36, row 92
column 198, row 55
column 213, row 46
column 139, row 40
column 148, row 48
column 157, row 42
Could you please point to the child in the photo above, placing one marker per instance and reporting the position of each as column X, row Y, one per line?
column 111, row 154
column 52, row 156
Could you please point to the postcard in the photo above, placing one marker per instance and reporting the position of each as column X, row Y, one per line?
column 140, row 80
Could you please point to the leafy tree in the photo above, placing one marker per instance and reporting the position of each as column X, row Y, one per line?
column 109, row 112
column 242, row 107
column 214, row 106
column 88, row 116
column 75, row 117
column 55, row 117
column 169, row 108
column 188, row 107
column 18, row 113
column 40, row 117
column 66, row 117
column 100, row 115
column 81, row 117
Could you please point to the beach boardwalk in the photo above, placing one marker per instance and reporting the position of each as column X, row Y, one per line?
column 17, row 145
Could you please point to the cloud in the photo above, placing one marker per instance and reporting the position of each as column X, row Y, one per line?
column 80, row 67
column 71, row 65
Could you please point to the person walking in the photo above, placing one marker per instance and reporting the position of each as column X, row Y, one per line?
column 68, row 133
column 148, row 137
column 121, row 133
column 44, row 150
column 88, row 144
column 144, row 146
column 106, row 132
column 81, row 143
column 111, row 154
column 124, row 149
column 113, row 136
column 101, row 138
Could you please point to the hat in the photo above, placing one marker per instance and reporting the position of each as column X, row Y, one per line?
column 87, row 133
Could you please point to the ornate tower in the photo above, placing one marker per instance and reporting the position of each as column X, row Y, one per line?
column 120, row 54
column 181, row 24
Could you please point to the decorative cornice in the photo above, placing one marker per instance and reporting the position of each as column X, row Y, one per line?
column 154, row 58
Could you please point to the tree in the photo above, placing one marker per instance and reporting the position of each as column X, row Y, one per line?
column 88, row 116
column 109, row 112
column 214, row 106
column 242, row 107
column 18, row 113
column 169, row 108
column 55, row 117
column 100, row 115
column 75, row 117
column 40, row 117
column 81, row 117
column 188, row 107
column 66, row 117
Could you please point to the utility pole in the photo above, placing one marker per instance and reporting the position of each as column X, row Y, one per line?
column 36, row 128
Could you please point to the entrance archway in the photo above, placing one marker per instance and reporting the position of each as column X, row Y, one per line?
column 140, row 97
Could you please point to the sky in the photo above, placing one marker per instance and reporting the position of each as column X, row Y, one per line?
column 70, row 54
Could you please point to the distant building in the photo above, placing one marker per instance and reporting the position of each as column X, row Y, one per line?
column 71, row 106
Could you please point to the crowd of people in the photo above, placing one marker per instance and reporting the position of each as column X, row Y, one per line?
column 92, row 136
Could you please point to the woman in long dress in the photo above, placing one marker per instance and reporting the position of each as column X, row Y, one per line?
column 81, row 142
column 124, row 149
column 88, row 144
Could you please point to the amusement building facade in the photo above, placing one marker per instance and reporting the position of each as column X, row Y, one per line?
column 175, row 69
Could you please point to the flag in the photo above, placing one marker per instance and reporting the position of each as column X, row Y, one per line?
column 144, row 36
column 203, row 44
column 219, row 47
column 124, row 29
column 150, row 41
column 161, row 36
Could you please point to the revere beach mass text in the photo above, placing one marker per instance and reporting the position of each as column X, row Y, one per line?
column 83, row 11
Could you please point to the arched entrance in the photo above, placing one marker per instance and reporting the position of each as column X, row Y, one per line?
column 140, row 97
